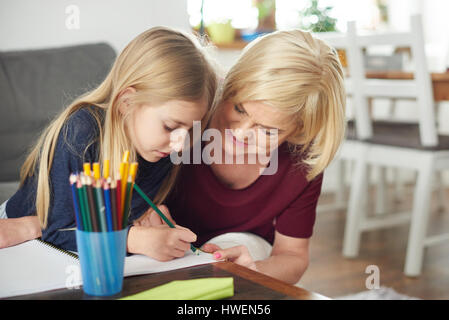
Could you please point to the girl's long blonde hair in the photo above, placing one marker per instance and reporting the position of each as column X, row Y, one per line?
column 302, row 76
column 161, row 64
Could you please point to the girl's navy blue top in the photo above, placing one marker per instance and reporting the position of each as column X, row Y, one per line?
column 80, row 131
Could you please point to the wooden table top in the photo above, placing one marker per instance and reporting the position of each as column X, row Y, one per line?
column 440, row 81
column 248, row 284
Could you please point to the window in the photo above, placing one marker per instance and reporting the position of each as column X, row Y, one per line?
column 243, row 14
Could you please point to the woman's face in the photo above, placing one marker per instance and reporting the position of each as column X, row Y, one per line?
column 254, row 127
column 150, row 126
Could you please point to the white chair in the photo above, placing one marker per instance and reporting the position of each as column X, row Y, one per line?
column 392, row 144
column 343, row 159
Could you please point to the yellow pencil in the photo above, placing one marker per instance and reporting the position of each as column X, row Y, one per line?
column 106, row 164
column 124, row 174
column 96, row 167
column 125, row 156
column 133, row 171
column 87, row 169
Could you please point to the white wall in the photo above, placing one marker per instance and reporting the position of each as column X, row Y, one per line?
column 26, row 24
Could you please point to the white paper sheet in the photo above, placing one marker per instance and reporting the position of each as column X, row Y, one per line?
column 138, row 264
column 33, row 267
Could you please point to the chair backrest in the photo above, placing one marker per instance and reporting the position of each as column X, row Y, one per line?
column 361, row 88
column 35, row 85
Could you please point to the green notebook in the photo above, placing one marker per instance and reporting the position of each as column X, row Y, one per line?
column 195, row 289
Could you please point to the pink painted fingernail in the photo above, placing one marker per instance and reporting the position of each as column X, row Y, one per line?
column 217, row 255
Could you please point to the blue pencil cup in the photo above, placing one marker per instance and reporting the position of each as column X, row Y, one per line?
column 102, row 260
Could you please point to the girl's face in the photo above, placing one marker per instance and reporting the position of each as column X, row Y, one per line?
column 250, row 125
column 150, row 126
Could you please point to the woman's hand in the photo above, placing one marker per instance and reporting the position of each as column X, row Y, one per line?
column 160, row 242
column 288, row 260
column 237, row 254
column 150, row 218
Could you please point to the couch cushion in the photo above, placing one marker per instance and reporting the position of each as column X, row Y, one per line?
column 35, row 85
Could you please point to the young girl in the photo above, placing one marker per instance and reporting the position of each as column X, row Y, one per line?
column 293, row 84
column 161, row 81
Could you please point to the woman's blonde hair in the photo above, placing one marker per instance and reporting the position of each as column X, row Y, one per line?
column 302, row 76
column 161, row 64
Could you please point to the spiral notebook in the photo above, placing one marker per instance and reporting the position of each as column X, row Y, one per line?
column 37, row 266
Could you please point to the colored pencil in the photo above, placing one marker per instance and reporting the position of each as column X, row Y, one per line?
column 99, row 204
column 96, row 168
column 118, row 191
column 86, row 167
column 106, row 164
column 124, row 176
column 124, row 183
column 133, row 171
column 155, row 208
column 81, row 202
column 129, row 193
column 113, row 194
column 107, row 204
column 75, row 202
column 91, row 202
column 127, row 206
column 125, row 156
column 85, row 205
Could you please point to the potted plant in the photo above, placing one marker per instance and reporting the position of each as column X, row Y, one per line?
column 316, row 19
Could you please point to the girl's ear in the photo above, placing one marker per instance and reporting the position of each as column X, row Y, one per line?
column 124, row 99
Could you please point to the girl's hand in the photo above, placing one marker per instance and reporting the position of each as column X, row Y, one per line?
column 150, row 218
column 160, row 242
column 237, row 254
column 17, row 230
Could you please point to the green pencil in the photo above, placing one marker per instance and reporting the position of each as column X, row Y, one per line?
column 81, row 201
column 83, row 196
column 163, row 217
column 89, row 194
column 98, row 196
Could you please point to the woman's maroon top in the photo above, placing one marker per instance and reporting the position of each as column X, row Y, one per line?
column 285, row 202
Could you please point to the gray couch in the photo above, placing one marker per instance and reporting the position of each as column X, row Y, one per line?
column 35, row 85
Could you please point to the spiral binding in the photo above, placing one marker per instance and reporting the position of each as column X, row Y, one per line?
column 47, row 244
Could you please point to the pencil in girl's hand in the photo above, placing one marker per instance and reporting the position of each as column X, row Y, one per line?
column 159, row 212
column 76, row 202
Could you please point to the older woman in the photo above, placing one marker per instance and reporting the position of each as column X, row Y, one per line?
column 284, row 98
